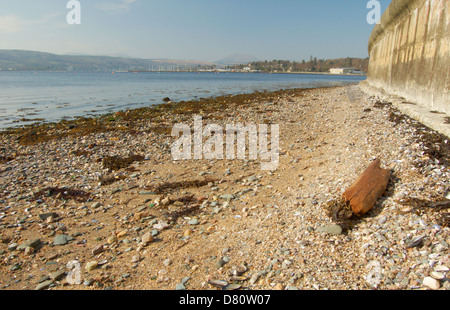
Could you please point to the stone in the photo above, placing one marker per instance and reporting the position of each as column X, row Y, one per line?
column 122, row 234
column 28, row 250
column 193, row 222
column 161, row 226
column 91, row 265
column 147, row 238
column 431, row 283
column 112, row 239
column 98, row 249
column 220, row 263
column 45, row 216
column 57, row 275
column 28, row 244
column 331, row 229
column 62, row 239
column 437, row 275
column 43, row 285
column 227, row 197
column 368, row 188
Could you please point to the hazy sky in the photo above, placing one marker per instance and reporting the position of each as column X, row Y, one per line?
column 191, row 29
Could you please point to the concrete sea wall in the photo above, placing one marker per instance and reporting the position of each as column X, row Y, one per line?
column 410, row 53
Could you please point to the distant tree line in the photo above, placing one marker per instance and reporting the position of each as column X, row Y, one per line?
column 313, row 65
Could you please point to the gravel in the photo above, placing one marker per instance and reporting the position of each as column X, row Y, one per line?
column 273, row 224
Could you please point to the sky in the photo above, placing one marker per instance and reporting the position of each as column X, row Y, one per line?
column 205, row 30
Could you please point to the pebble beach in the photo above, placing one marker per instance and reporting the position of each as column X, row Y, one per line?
column 99, row 203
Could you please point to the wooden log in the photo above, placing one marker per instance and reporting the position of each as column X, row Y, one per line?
column 368, row 188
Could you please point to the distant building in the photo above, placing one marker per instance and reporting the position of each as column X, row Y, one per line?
column 342, row 70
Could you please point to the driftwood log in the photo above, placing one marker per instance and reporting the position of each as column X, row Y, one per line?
column 367, row 189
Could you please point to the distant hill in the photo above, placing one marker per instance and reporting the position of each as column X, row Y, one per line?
column 237, row 59
column 32, row 60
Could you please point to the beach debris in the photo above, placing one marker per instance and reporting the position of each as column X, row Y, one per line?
column 368, row 188
column 116, row 162
column 63, row 193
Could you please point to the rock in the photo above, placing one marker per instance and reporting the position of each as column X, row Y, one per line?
column 382, row 220
column 147, row 238
column 62, row 239
column 98, row 249
column 13, row 246
column 220, row 263
column 227, row 197
column 112, row 239
column 437, row 275
column 431, row 283
column 45, row 216
column 180, row 287
column 28, row 244
column 57, row 275
column 193, row 222
column 147, row 193
column 91, row 266
column 28, row 251
column 279, row 287
column 43, row 285
column 331, row 229
column 161, row 225
column 122, row 234
column 368, row 188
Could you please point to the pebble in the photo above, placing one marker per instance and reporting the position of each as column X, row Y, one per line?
column 62, row 239
column 331, row 229
column 44, row 285
column 28, row 244
column 147, row 238
column 57, row 275
column 431, row 283
column 90, row 266
column 193, row 222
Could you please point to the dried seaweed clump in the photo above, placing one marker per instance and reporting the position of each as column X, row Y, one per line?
column 116, row 162
column 340, row 211
column 63, row 193
column 167, row 186
column 5, row 159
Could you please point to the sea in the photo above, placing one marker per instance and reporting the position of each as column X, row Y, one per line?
column 28, row 97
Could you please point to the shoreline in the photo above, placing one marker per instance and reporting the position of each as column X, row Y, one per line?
column 107, row 194
column 34, row 119
column 154, row 108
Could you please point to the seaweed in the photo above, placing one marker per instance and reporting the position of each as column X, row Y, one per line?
column 132, row 121
column 108, row 180
column 63, row 193
column 436, row 206
column 115, row 163
column 5, row 159
column 167, row 186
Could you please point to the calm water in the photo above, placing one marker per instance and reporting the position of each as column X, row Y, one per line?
column 27, row 97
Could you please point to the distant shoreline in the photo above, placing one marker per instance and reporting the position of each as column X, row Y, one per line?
column 168, row 71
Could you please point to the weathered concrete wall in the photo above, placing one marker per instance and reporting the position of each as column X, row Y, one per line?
column 410, row 52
